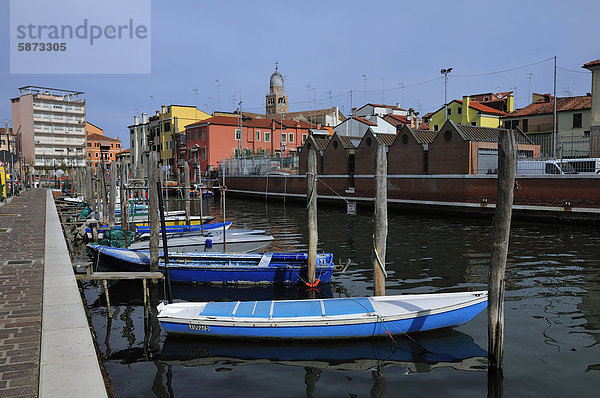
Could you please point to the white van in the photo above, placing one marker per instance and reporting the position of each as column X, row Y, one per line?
column 544, row 167
column 584, row 165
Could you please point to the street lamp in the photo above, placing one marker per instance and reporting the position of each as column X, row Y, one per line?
column 445, row 73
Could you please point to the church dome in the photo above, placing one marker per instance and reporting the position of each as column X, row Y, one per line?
column 276, row 80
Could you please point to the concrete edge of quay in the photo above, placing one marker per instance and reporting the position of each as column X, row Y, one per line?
column 68, row 361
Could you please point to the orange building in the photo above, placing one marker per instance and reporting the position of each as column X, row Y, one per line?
column 100, row 146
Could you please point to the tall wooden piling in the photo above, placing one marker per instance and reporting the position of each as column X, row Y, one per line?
column 381, row 221
column 186, row 191
column 223, row 189
column 507, row 164
column 112, row 204
column 104, row 193
column 124, row 203
column 313, row 232
column 153, row 192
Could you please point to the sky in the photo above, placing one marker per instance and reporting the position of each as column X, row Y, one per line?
column 382, row 52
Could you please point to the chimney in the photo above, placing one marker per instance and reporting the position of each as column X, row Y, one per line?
column 144, row 117
column 417, row 121
column 136, row 120
column 163, row 108
column 466, row 116
column 411, row 117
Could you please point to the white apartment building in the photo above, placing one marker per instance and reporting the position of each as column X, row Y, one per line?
column 50, row 128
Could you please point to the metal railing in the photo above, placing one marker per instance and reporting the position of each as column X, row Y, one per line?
column 260, row 165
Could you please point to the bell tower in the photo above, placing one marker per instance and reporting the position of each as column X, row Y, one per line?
column 277, row 99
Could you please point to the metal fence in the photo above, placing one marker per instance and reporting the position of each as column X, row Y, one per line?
column 260, row 165
column 573, row 155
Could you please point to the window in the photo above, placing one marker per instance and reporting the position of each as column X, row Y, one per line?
column 167, row 127
column 436, row 127
column 525, row 124
column 291, row 138
column 236, row 153
column 577, row 120
column 449, row 111
column 203, row 152
column 196, row 134
column 89, row 144
column 267, row 136
column 304, row 137
column 473, row 123
column 238, row 134
column 204, row 134
column 257, row 135
column 96, row 154
column 283, row 136
column 459, row 110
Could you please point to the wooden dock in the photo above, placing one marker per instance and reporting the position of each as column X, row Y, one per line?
column 105, row 276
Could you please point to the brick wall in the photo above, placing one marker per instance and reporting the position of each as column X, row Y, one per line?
column 405, row 156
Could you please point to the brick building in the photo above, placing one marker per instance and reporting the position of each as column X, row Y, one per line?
column 466, row 149
column 319, row 144
column 367, row 149
column 408, row 154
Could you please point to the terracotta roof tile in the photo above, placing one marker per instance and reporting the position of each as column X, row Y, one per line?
column 396, row 119
column 482, row 108
column 100, row 137
column 591, row 63
column 360, row 119
column 562, row 104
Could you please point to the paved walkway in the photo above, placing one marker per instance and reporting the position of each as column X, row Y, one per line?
column 46, row 347
column 21, row 283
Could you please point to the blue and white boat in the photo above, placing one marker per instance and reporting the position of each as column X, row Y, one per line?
column 314, row 319
column 223, row 268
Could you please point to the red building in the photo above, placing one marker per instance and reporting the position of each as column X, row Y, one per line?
column 209, row 141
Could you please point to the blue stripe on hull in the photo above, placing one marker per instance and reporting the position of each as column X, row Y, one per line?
column 374, row 329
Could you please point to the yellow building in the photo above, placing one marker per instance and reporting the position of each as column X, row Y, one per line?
column 470, row 112
column 173, row 119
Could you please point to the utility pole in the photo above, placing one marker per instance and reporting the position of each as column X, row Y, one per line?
column 445, row 73
column 365, row 88
column 218, row 95
column 554, row 113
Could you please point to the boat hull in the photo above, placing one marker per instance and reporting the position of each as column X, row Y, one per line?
column 359, row 324
column 222, row 268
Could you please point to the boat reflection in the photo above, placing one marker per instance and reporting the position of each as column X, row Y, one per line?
column 419, row 353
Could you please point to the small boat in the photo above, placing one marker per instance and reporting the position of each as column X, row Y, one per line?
column 236, row 243
column 314, row 319
column 212, row 228
column 144, row 231
column 177, row 220
column 224, row 268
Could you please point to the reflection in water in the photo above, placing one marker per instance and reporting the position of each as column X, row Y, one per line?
column 552, row 314
column 418, row 353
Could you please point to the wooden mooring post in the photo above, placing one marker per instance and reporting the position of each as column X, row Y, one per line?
column 112, row 204
column 106, row 276
column 313, row 231
column 381, row 221
column 186, row 192
column 507, row 164
column 153, row 192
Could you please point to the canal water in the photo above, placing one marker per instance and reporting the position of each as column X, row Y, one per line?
column 552, row 316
